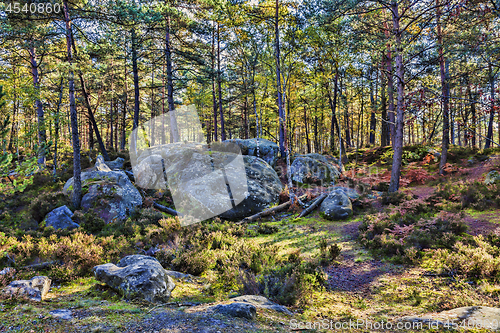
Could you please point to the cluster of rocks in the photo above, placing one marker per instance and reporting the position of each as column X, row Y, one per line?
column 111, row 195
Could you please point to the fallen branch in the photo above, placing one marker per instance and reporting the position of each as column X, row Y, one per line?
column 316, row 202
column 42, row 265
column 269, row 211
column 165, row 209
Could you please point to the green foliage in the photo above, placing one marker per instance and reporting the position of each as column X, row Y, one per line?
column 469, row 194
column 477, row 259
column 46, row 202
column 405, row 231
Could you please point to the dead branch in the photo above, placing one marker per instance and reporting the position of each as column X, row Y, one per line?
column 270, row 211
column 165, row 209
column 316, row 202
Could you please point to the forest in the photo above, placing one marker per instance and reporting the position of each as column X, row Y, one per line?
column 368, row 132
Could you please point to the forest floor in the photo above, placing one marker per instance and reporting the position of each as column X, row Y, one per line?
column 361, row 286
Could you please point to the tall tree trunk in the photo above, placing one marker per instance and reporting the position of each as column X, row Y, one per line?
column 77, row 182
column 125, row 107
column 281, row 111
column 42, row 139
column 384, row 137
column 390, row 86
column 398, row 142
column 445, row 98
column 373, row 120
column 92, row 119
column 214, row 100
column 333, row 106
column 489, row 136
column 56, row 125
column 307, row 131
column 219, row 85
column 174, row 129
column 136, row 80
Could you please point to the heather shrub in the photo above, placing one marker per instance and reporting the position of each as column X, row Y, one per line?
column 478, row 259
column 46, row 202
column 470, row 194
column 89, row 221
column 404, row 232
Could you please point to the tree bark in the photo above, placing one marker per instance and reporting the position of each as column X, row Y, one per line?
column 390, row 86
column 42, row 138
column 174, row 130
column 445, row 98
column 214, row 100
column 489, row 136
column 77, row 183
column 281, row 112
column 398, row 142
column 219, row 85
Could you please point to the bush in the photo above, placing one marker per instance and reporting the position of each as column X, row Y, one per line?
column 89, row 221
column 477, row 260
column 47, row 202
column 405, row 234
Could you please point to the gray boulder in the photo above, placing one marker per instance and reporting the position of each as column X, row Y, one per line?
column 60, row 218
column 315, row 169
column 116, row 164
column 137, row 277
column 62, row 314
column 193, row 176
column 109, row 193
column 336, row 206
column 474, row 316
column 268, row 150
column 263, row 189
column 34, row 289
column 100, row 164
column 261, row 302
column 242, row 310
column 492, row 177
column 350, row 192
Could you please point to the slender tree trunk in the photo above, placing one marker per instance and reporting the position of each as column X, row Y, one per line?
column 56, row 125
column 136, row 80
column 384, row 137
column 214, row 100
column 445, row 98
column 489, row 136
column 174, row 129
column 281, row 112
column 390, row 86
column 307, row 131
column 77, row 183
column 42, row 139
column 333, row 106
column 219, row 85
column 125, row 108
column 92, row 119
column 398, row 143
column 373, row 120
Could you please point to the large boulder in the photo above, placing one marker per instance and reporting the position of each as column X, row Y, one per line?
column 60, row 218
column 492, row 177
column 315, row 169
column 116, row 164
column 268, row 150
column 336, row 206
column 242, row 310
column 261, row 302
column 34, row 289
column 137, row 277
column 109, row 193
column 205, row 183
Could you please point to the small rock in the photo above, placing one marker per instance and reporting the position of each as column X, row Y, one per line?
column 62, row 314
column 116, row 164
column 137, row 276
column 261, row 302
column 34, row 289
column 60, row 218
column 242, row 310
column 492, row 177
column 100, row 164
column 336, row 206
